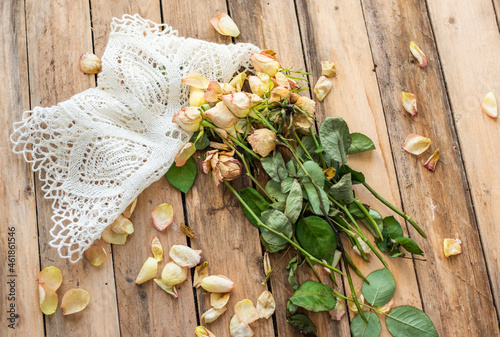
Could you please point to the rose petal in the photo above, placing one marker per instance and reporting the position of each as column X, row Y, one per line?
column 51, row 276
column 220, row 146
column 239, row 329
column 238, row 81
column 489, row 105
column 96, row 255
column 432, row 161
column 416, row 144
column 196, row 97
column 185, row 256
column 201, row 331
column 111, row 237
column 267, row 264
column 219, row 301
column 328, row 69
column 217, row 284
column 339, row 310
column 168, row 289
column 281, row 80
column 322, row 88
column 173, row 274
column 418, row 54
column 212, row 314
column 148, row 270
column 409, row 103
column 186, row 152
column 75, row 300
column 246, row 312
column 452, row 247
column 48, row 299
column 359, row 295
column 163, row 216
column 225, row 25
column 156, row 248
column 329, row 173
column 90, row 63
column 213, row 93
column 188, row 231
column 364, row 246
column 122, row 225
column 266, row 305
column 130, row 209
column 196, row 80
column 386, row 308
column 200, row 272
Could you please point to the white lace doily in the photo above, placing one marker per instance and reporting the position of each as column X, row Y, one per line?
column 96, row 152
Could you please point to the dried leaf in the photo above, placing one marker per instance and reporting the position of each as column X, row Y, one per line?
column 200, row 272
column 156, row 248
column 409, row 103
column 239, row 329
column 489, row 105
column 225, row 25
column 217, row 284
column 432, row 161
column 185, row 256
column 74, row 300
column 148, row 270
column 452, row 247
column 196, row 80
column 168, row 289
column 266, row 305
column 130, row 209
column 416, row 144
column 96, row 255
column 328, row 69
column 329, row 173
column 51, row 276
column 173, row 274
column 48, row 299
column 219, row 300
column 201, row 331
column 322, row 88
column 246, row 312
column 418, row 54
column 211, row 315
column 163, row 216
column 122, row 225
column 111, row 237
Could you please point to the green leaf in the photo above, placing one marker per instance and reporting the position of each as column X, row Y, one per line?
column 317, row 237
column 275, row 167
column 279, row 222
column 356, row 213
column 272, row 248
column 291, row 269
column 308, row 143
column 279, row 205
column 314, row 296
column 290, row 307
column 410, row 245
column 286, row 184
column 294, row 202
column 410, row 322
column 356, row 176
column 342, row 190
column 378, row 220
column 202, row 143
column 273, row 188
column 303, row 324
column 381, row 288
column 314, row 171
column 360, row 143
column 360, row 328
column 312, row 196
column 182, row 177
column 290, row 166
column 392, row 228
column 335, row 138
column 394, row 250
column 255, row 201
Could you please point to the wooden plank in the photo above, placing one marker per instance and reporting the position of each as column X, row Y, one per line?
column 142, row 308
column 57, row 36
column 442, row 206
column 229, row 242
column 261, row 23
column 468, row 41
column 18, row 294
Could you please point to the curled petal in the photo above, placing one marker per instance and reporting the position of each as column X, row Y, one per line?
column 431, row 163
column 263, row 141
column 246, row 312
column 122, row 225
column 196, row 97
column 386, row 308
column 212, row 314
column 156, row 248
column 148, row 270
column 111, row 237
column 217, row 284
column 96, row 255
column 489, row 105
column 267, row 264
column 185, row 256
column 266, row 305
column 90, row 63
column 239, row 329
column 328, row 69
column 213, row 93
column 196, row 80
column 265, row 63
column 416, row 144
column 75, row 300
column 409, row 103
column 219, row 300
column 225, row 25
column 339, row 310
column 418, row 54
column 281, row 80
column 186, row 152
column 130, row 209
column 188, row 231
column 221, row 116
column 163, row 216
column 201, row 331
column 322, row 88
column 220, row 146
column 238, row 81
column 51, row 276
column 168, row 289
column 452, row 247
column 279, row 94
column 173, row 274
column 48, row 299
column 200, row 272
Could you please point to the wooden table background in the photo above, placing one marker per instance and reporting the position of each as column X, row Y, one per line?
column 41, row 41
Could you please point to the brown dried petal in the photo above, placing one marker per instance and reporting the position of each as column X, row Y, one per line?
column 74, row 300
column 130, row 209
column 200, row 272
column 51, row 276
column 267, row 264
column 432, row 161
column 96, row 255
column 188, row 231
column 90, row 63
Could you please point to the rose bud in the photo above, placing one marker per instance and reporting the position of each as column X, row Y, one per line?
column 259, row 84
column 263, row 141
column 304, row 119
column 196, row 97
column 217, row 284
column 240, row 103
column 265, row 63
column 221, row 116
column 225, row 25
column 90, row 64
column 188, row 118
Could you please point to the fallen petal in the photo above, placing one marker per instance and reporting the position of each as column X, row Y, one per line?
column 51, row 276
column 409, row 103
column 196, row 97
column 168, row 289
column 185, row 256
column 360, row 297
column 267, row 264
column 219, row 301
column 489, row 105
column 418, row 54
column 217, row 284
column 246, row 312
column 173, row 274
column 188, row 231
column 364, row 246
column 200, row 272
column 96, row 255
column 196, row 80
column 163, row 216
column 328, row 69
column 213, row 93
column 452, row 247
column 122, row 225
column 212, row 314
column 148, row 270
column 90, row 63
column 130, row 209
column 111, row 237
column 225, row 25
column 48, row 299
column 266, row 305
column 339, row 310
column 386, row 307
column 75, row 300
column 432, row 161
column 186, row 152
column 416, row 144
column 201, row 331
column 239, row 329
column 322, row 88
column 156, row 248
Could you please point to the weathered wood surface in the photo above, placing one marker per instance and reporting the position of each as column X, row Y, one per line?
column 368, row 40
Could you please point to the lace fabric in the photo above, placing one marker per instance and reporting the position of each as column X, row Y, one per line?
column 96, row 152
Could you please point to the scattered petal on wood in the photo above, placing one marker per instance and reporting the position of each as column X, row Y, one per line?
column 111, row 237
column 130, row 209
column 51, row 276
column 148, row 270
column 267, row 264
column 201, row 331
column 386, row 308
column 225, row 25
column 163, row 216
column 219, row 300
column 217, row 284
column 75, row 300
column 185, row 256
column 409, row 103
column 266, row 305
column 173, row 274
column 416, row 144
column 339, row 310
column 322, row 88
column 418, row 54
column 90, row 63
column 489, row 105
column 328, row 69
column 212, row 314
column 452, row 247
column 432, row 161
column 246, row 312
column 168, row 289
column 196, row 80
column 48, row 299
column 96, row 255
column 188, row 231
column 239, row 329
column 359, row 295
column 200, row 272
column 156, row 248
column 122, row 225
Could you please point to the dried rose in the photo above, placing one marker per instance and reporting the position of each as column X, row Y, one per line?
column 246, row 312
column 221, row 116
column 163, row 216
column 196, row 97
column 188, row 118
column 322, row 88
column 168, row 289
column 328, row 69
column 279, row 94
column 90, row 63
column 148, row 270
column 240, row 103
column 431, row 163
column 489, row 105
column 51, row 276
column 416, row 144
column 259, row 84
column 48, row 299
column 223, row 165
column 173, row 274
column 225, row 25
column 186, row 152
column 238, row 81
column 185, row 256
column 212, row 314
column 74, row 300
column 409, row 103
column 239, row 329
column 304, row 118
column 266, row 305
column 265, row 63
column 196, row 80
column 217, row 284
column 156, row 248
column 96, row 255
column 219, row 300
column 418, row 54
column 200, row 272
column 263, row 141
column 452, row 247
column 130, row 209
column 201, row 331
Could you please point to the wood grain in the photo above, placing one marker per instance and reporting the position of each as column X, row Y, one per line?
column 443, row 206
column 16, row 187
column 57, row 36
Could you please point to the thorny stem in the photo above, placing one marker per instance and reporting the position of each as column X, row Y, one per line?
column 370, row 219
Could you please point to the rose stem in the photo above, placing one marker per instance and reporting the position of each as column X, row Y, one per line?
column 365, row 211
